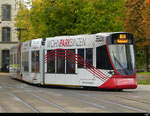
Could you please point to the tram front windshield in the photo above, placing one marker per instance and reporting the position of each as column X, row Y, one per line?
column 123, row 58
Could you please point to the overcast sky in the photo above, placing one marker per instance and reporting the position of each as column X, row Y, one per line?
column 27, row 4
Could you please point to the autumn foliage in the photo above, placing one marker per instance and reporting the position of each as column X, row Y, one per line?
column 48, row 18
column 138, row 20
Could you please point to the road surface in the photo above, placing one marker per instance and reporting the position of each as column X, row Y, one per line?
column 16, row 96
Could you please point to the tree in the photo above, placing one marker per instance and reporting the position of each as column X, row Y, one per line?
column 146, row 29
column 49, row 18
column 134, row 19
column 138, row 22
column 23, row 21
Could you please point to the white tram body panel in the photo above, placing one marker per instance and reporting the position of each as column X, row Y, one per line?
column 75, row 61
column 27, row 71
column 81, row 77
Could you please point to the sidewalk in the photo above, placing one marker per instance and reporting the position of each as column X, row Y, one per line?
column 143, row 87
column 3, row 74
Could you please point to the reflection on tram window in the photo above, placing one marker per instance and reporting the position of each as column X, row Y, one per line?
column 89, row 56
column 50, row 62
column 70, row 64
column 102, row 59
column 25, row 61
column 35, row 61
column 60, row 61
column 11, row 59
column 81, row 53
column 123, row 58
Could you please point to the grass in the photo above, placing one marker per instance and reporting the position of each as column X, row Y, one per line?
column 145, row 81
column 143, row 78
column 145, row 73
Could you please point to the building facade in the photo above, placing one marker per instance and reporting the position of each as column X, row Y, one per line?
column 8, row 33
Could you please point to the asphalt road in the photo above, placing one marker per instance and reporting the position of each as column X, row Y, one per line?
column 16, row 96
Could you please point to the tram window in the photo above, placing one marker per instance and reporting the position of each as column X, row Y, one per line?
column 102, row 59
column 50, row 62
column 14, row 58
column 70, row 64
column 81, row 53
column 25, row 61
column 18, row 59
column 89, row 56
column 60, row 60
column 35, row 61
column 11, row 59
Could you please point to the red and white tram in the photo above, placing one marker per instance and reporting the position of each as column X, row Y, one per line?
column 102, row 60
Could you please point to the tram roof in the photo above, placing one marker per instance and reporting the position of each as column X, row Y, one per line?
column 80, row 35
column 109, row 33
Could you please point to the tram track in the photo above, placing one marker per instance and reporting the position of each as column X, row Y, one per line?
column 90, row 103
column 87, row 102
column 23, row 102
column 14, row 91
column 64, row 102
column 138, row 100
column 51, row 103
column 111, row 102
column 80, row 97
column 70, row 100
column 76, row 95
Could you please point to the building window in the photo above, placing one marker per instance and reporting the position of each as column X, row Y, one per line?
column 6, row 32
column 35, row 61
column 5, row 60
column 6, row 12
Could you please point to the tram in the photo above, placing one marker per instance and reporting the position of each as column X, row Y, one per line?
column 101, row 60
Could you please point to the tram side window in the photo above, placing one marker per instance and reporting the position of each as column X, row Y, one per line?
column 89, row 56
column 15, row 62
column 60, row 61
column 70, row 64
column 18, row 60
column 11, row 59
column 50, row 62
column 25, row 61
column 102, row 59
column 81, row 63
column 35, row 61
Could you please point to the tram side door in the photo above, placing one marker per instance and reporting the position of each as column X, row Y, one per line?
column 42, row 65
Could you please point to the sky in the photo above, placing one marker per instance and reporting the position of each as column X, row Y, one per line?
column 29, row 6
